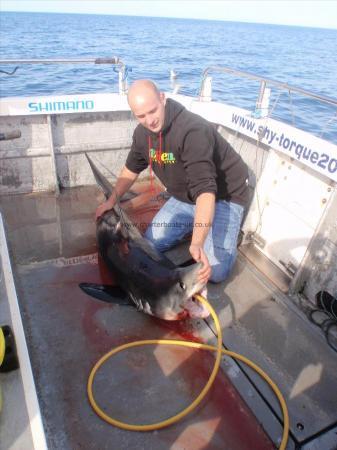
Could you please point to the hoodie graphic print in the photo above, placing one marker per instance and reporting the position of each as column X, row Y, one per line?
column 157, row 155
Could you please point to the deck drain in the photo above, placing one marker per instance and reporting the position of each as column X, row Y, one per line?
column 300, row 426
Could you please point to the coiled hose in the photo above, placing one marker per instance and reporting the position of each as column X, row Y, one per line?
column 219, row 351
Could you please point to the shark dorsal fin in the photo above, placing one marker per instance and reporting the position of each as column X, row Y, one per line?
column 102, row 182
column 105, row 184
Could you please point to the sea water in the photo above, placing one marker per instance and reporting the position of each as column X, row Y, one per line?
column 151, row 47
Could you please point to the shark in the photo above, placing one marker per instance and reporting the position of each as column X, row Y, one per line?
column 147, row 279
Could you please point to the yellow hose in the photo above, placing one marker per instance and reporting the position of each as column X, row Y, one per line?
column 219, row 351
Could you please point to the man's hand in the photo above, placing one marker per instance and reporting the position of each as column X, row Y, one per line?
column 198, row 254
column 101, row 209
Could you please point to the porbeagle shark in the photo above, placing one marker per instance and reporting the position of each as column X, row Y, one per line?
column 147, row 278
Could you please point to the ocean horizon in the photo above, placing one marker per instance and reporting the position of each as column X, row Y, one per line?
column 169, row 18
column 152, row 46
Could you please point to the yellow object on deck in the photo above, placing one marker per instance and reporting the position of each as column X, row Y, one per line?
column 219, row 351
column 2, row 346
column 2, row 357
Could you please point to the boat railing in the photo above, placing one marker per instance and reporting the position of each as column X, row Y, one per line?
column 114, row 60
column 121, row 68
column 205, row 89
column 205, row 92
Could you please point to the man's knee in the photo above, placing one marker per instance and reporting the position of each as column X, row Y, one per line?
column 157, row 237
column 219, row 274
column 153, row 233
column 222, row 269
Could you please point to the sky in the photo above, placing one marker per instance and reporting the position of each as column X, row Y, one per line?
column 320, row 13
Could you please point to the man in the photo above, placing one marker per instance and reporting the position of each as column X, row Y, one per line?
column 207, row 180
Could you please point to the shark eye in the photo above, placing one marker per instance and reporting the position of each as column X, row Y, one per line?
column 182, row 285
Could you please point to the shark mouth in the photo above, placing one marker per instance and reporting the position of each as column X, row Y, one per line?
column 195, row 309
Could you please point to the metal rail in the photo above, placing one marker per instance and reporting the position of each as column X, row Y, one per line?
column 114, row 60
column 264, row 82
column 122, row 69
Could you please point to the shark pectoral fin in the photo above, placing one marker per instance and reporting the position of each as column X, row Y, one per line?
column 106, row 293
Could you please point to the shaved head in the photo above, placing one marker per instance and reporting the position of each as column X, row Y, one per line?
column 142, row 88
column 147, row 104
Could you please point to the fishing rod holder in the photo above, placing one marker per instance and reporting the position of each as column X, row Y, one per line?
column 205, row 94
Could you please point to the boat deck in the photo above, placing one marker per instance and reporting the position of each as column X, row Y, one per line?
column 52, row 247
column 13, row 433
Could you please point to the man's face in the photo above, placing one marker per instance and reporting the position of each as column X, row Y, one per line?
column 149, row 110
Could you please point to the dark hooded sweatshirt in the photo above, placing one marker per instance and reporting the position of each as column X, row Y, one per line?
column 190, row 157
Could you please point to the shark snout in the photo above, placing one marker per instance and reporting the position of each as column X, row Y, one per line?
column 189, row 278
column 176, row 304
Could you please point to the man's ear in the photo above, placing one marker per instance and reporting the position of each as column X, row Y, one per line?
column 162, row 97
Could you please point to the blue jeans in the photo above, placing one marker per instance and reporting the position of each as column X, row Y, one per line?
column 175, row 220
